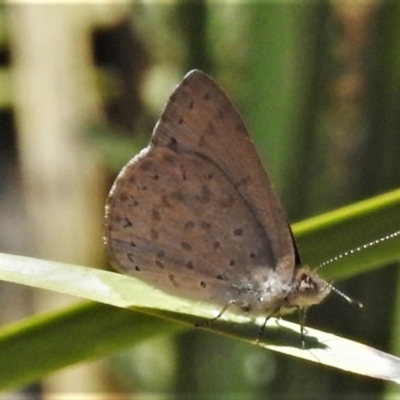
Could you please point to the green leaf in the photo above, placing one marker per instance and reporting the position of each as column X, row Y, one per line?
column 42, row 344
column 329, row 235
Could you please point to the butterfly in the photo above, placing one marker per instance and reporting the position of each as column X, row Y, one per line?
column 195, row 213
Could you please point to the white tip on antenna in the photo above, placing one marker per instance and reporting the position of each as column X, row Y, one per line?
column 347, row 298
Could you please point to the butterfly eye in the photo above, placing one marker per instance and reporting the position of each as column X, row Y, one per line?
column 304, row 278
column 307, row 284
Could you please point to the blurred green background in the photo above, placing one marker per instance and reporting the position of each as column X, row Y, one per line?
column 318, row 85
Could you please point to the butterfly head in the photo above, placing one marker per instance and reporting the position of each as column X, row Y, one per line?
column 307, row 289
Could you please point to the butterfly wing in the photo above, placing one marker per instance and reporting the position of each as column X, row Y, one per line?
column 200, row 118
column 195, row 213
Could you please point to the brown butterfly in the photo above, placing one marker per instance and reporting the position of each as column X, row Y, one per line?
column 195, row 214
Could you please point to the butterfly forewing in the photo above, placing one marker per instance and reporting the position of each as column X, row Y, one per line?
column 200, row 118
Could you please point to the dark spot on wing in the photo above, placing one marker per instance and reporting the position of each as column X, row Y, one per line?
column 172, row 279
column 132, row 202
column 205, row 195
column 178, row 195
column 227, row 202
column 242, row 182
column 169, row 158
column 172, row 143
column 238, row 232
column 160, row 253
column 183, row 173
column 212, row 129
column 240, row 127
column 146, row 165
column 202, row 141
column 123, row 197
column 189, row 265
column 205, row 225
column 127, row 223
column 164, row 201
column 186, row 246
column 188, row 226
column 155, row 215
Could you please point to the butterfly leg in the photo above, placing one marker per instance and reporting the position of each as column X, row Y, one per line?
column 303, row 312
column 211, row 320
column 262, row 329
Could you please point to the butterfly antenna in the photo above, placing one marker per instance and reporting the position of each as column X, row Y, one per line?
column 349, row 253
column 341, row 294
column 357, row 249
